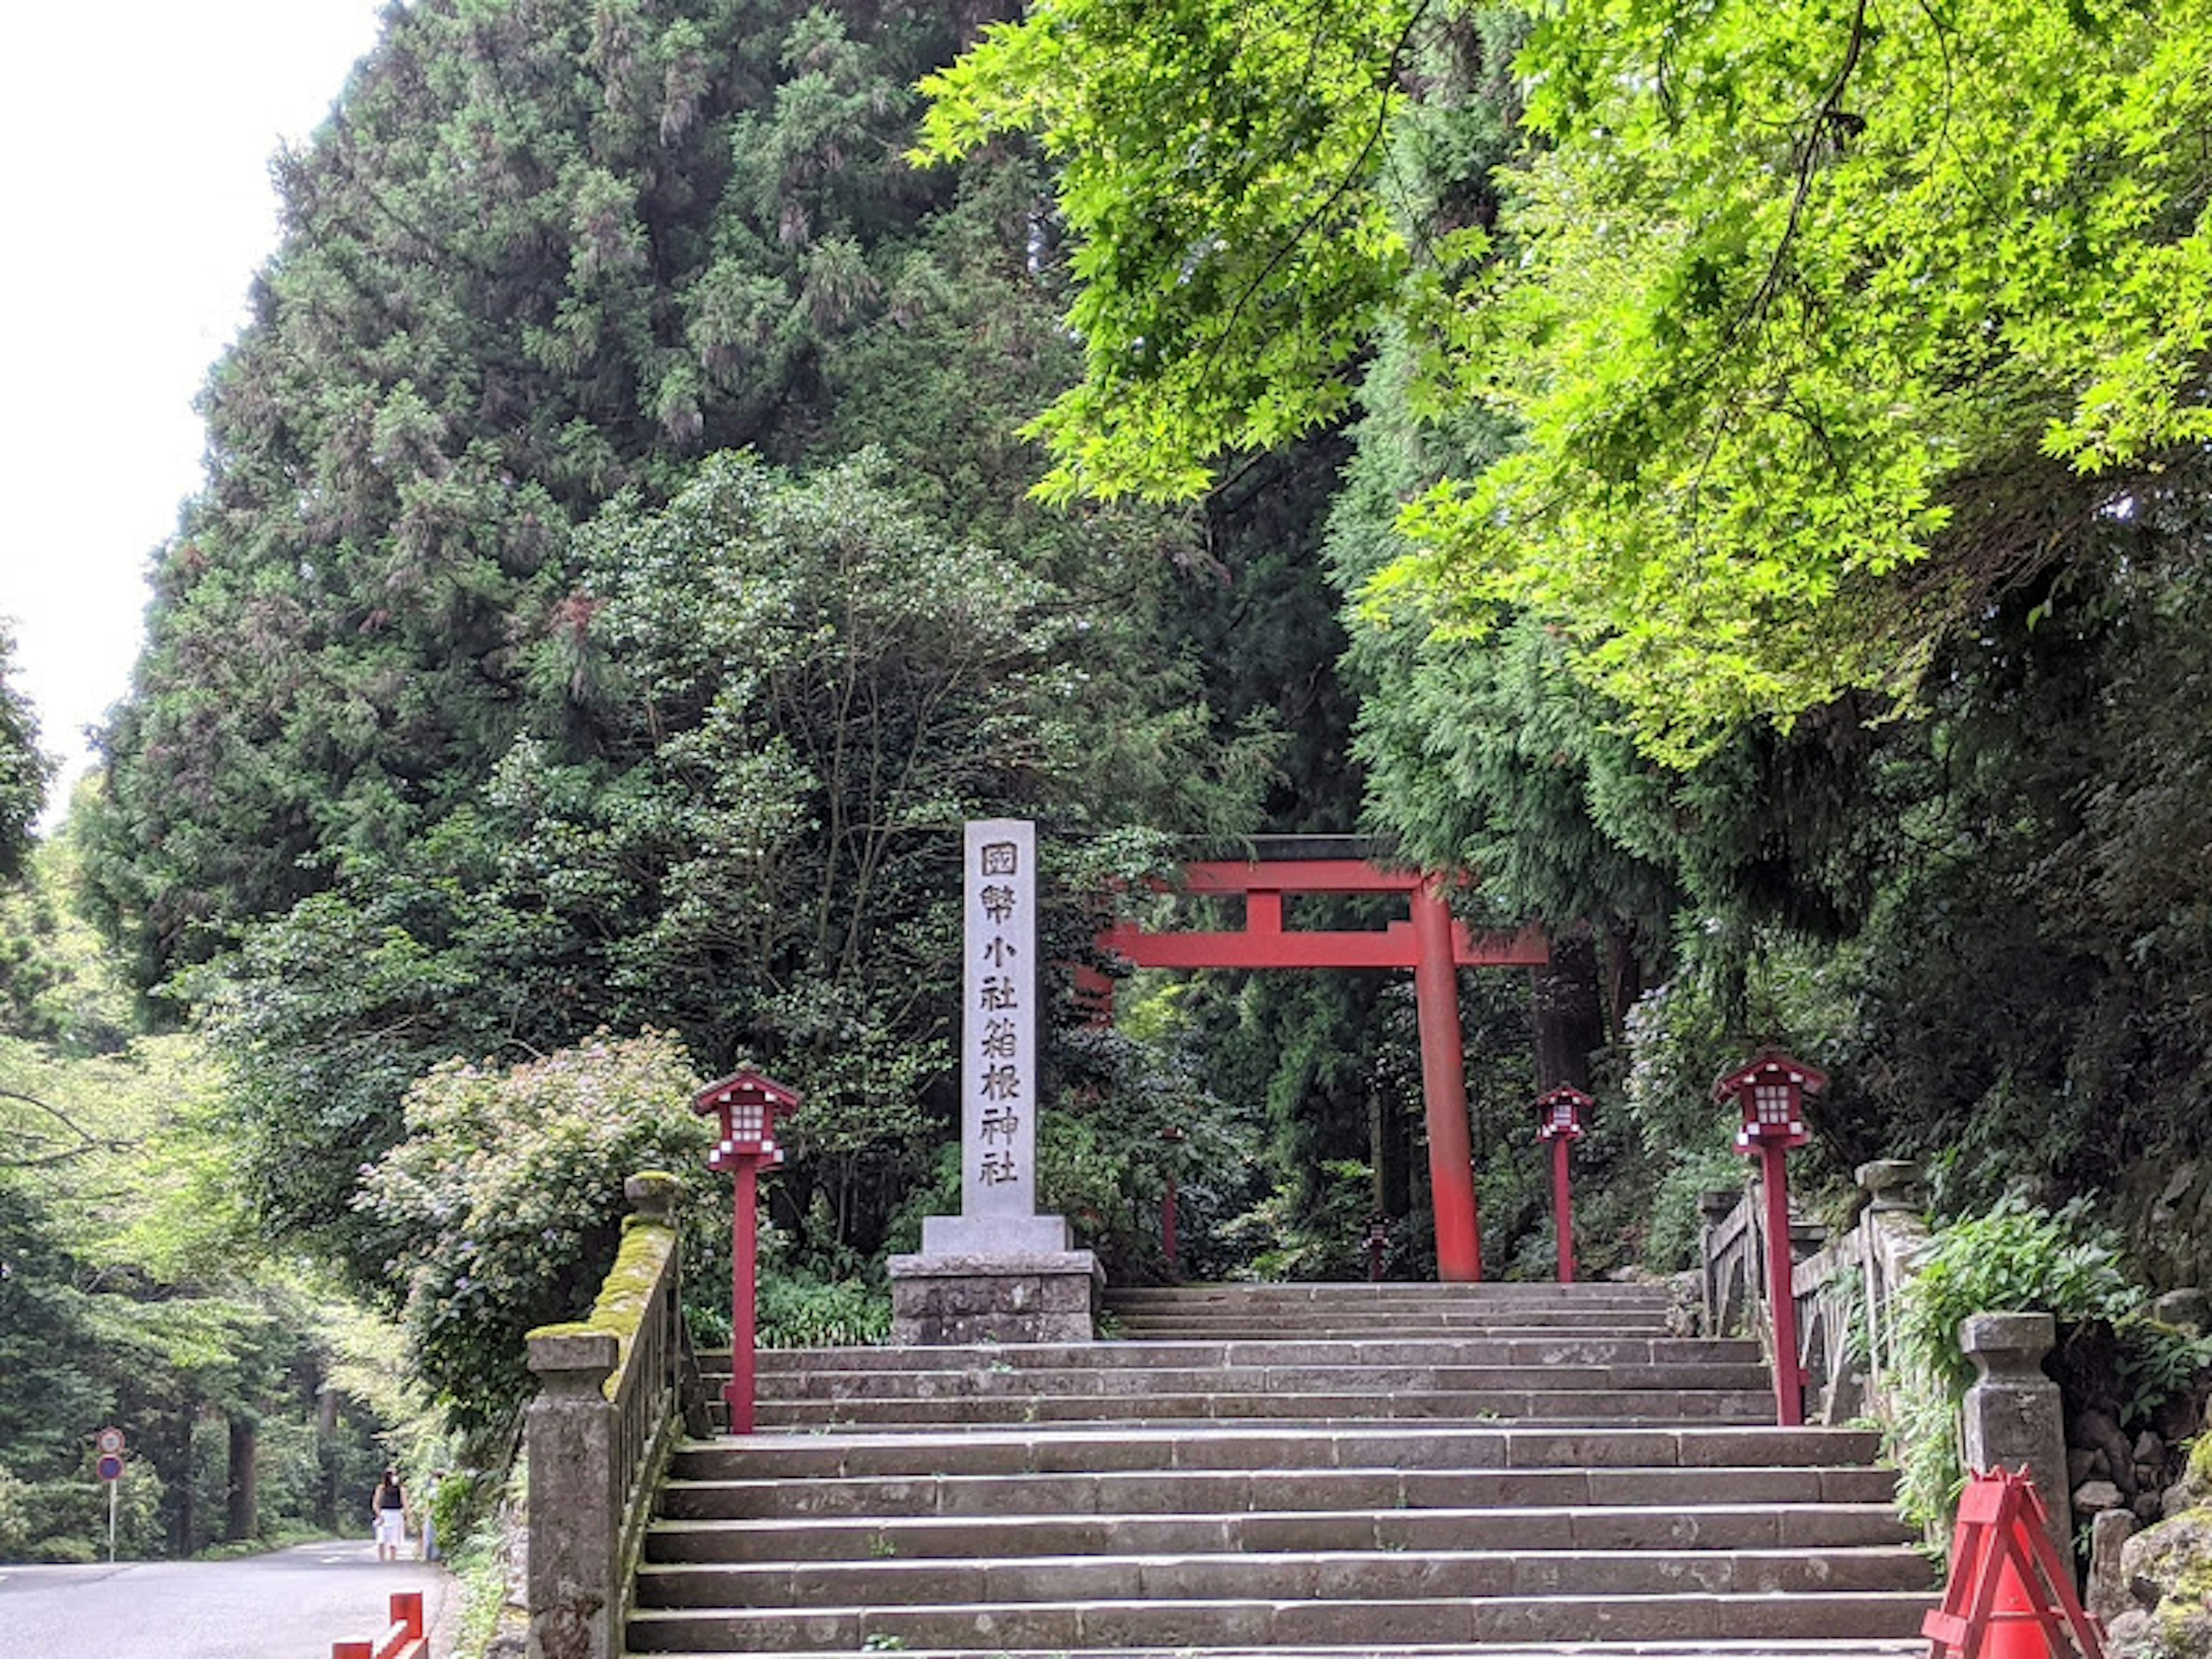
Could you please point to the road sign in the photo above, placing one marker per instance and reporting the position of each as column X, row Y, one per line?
column 110, row 1442
column 111, row 1467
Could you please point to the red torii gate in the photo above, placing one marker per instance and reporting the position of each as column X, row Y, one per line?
column 1433, row 945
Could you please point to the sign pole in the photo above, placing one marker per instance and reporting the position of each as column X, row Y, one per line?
column 109, row 1444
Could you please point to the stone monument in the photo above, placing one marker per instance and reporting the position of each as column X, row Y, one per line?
column 998, row 1271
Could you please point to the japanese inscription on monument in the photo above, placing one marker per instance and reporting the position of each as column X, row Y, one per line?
column 997, row 1053
column 997, row 1066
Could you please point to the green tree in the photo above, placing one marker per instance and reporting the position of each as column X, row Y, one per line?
column 1781, row 302
column 771, row 705
column 543, row 251
column 25, row 770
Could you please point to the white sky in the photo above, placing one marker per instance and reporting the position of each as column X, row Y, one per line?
column 135, row 139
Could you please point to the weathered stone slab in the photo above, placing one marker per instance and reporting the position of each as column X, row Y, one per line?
column 941, row 1300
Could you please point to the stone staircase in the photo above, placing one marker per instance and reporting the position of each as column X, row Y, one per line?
column 1495, row 1469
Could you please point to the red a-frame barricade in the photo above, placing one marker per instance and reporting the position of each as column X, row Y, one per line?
column 2009, row 1596
column 1431, row 943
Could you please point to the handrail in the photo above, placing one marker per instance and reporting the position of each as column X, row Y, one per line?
column 616, row 1387
column 1847, row 1293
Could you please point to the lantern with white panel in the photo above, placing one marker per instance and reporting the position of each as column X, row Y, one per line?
column 1771, row 1093
column 748, row 1106
column 1560, row 1121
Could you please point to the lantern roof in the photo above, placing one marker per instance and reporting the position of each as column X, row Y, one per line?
column 1565, row 1092
column 745, row 1089
column 1770, row 1066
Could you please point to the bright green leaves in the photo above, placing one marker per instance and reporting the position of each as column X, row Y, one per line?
column 1780, row 286
column 1788, row 272
column 1219, row 172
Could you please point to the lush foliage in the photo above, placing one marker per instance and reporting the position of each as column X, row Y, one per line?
column 1778, row 290
column 24, row 770
column 794, row 693
column 1790, row 284
column 1217, row 164
column 613, row 586
column 2016, row 1258
column 504, row 1204
column 131, row 1292
column 545, row 251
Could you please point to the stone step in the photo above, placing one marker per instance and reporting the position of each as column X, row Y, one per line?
column 1553, row 1348
column 1183, row 1492
column 1588, row 1407
column 1247, row 1448
column 1245, row 1325
column 997, row 1379
column 1379, row 1575
column 1768, row 1525
column 1212, row 1623
column 1394, row 1294
column 1310, row 1472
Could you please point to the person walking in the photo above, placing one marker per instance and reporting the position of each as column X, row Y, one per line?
column 388, row 1508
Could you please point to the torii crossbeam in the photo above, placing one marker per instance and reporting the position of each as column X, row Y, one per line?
column 1431, row 943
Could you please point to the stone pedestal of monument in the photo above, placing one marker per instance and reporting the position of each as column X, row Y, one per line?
column 984, row 1283
column 998, row 1272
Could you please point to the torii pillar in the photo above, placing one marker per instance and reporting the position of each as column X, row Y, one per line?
column 1443, row 1089
column 1431, row 943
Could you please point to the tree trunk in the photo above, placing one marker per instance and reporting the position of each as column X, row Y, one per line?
column 243, row 1489
column 326, row 1458
column 183, row 1518
column 1570, row 1010
column 1623, row 978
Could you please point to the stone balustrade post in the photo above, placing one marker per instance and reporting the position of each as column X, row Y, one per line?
column 1894, row 1231
column 652, row 1194
column 2013, row 1412
column 1714, row 1205
column 1892, row 1186
column 571, row 1439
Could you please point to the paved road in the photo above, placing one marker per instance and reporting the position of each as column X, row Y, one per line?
column 291, row 1605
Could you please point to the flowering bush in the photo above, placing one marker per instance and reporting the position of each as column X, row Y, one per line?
column 502, row 1208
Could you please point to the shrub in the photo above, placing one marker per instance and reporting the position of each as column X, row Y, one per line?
column 504, row 1204
column 1327, row 1241
column 2014, row 1259
column 799, row 1310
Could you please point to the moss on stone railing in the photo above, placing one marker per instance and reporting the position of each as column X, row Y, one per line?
column 614, row 1387
column 650, row 1241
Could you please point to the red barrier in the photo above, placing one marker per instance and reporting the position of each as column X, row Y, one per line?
column 403, row 1638
column 2009, row 1597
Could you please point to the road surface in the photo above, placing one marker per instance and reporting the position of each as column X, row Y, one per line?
column 290, row 1605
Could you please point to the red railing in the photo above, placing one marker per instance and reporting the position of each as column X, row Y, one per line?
column 403, row 1638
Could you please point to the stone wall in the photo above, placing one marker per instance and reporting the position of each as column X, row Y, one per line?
column 2165, row 1211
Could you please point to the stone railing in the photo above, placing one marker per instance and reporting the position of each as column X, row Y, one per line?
column 1845, row 1287
column 1845, row 1290
column 613, row 1391
column 1735, row 1294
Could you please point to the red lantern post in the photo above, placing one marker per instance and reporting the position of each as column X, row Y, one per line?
column 1771, row 1092
column 749, row 1105
column 1173, row 1136
column 1559, row 1121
